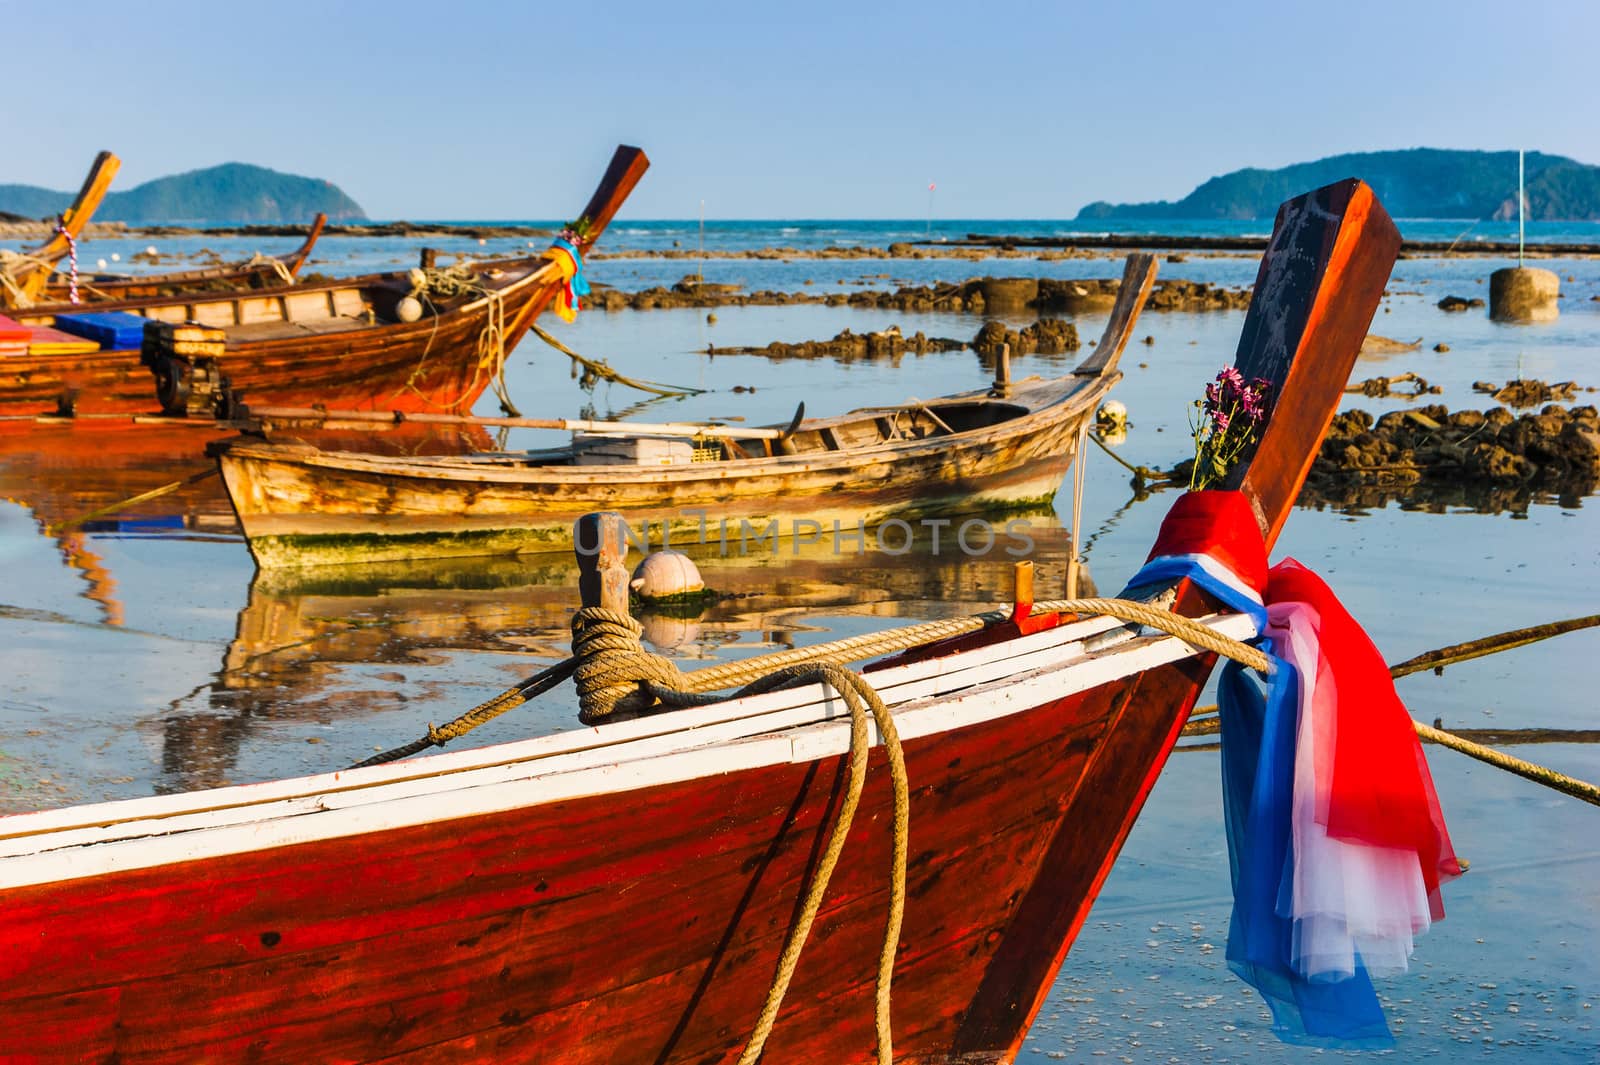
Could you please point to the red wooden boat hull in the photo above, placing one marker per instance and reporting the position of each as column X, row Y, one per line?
column 622, row 893
column 350, row 352
column 430, row 365
column 520, row 936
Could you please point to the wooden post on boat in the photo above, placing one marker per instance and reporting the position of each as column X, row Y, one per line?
column 1002, row 371
column 428, row 257
column 1022, row 585
column 600, row 541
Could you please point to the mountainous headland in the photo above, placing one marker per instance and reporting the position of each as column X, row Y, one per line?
column 1412, row 183
column 232, row 192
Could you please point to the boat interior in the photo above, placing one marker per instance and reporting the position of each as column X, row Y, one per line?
column 848, row 432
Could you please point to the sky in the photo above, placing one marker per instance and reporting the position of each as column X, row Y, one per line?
column 758, row 109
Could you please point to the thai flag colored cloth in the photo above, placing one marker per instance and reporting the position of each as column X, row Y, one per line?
column 569, row 260
column 1336, row 842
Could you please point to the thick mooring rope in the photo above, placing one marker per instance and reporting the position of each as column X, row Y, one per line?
column 446, row 283
column 613, row 671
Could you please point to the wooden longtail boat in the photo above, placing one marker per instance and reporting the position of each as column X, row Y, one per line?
column 25, row 278
column 35, row 281
column 98, row 291
column 1005, row 447
column 340, row 343
column 622, row 893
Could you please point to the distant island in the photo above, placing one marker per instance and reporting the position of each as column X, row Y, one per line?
column 232, row 192
column 1414, row 183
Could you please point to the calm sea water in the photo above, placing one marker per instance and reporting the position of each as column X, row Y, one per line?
column 144, row 655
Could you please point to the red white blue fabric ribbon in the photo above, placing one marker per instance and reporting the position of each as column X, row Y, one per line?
column 1336, row 842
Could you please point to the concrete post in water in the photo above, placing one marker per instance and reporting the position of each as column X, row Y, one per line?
column 1002, row 371
column 601, row 545
column 1008, row 295
column 1524, row 294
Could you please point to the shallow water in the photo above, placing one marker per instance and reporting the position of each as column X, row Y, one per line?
column 145, row 656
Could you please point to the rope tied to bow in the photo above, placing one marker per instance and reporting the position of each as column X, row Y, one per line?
column 72, row 258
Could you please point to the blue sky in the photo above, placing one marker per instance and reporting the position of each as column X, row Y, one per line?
column 763, row 110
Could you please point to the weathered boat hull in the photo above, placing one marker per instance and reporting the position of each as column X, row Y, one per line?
column 518, row 934
column 305, row 508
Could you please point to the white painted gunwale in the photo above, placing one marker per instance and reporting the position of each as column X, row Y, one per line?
column 888, row 681
column 782, row 727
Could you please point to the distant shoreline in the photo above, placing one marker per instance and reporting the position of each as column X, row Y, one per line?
column 974, row 245
column 1126, row 241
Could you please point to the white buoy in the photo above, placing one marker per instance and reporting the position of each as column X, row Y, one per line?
column 101, row 263
column 151, row 251
column 481, row 242
column 116, row 257
column 408, row 309
column 665, row 575
column 1112, row 415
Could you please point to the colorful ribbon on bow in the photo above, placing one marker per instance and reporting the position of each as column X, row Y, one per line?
column 569, row 260
column 1336, row 842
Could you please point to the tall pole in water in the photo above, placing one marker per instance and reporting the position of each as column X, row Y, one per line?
column 1522, row 202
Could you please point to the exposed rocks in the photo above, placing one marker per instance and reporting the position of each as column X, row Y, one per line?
column 26, row 229
column 1070, row 297
column 1528, row 393
column 1086, row 296
column 848, row 346
column 1047, row 336
column 1387, row 387
column 1555, row 449
column 1178, row 295
column 1459, row 303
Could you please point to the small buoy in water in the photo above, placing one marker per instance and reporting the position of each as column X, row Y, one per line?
column 666, row 575
column 151, row 251
column 481, row 242
column 102, row 264
column 408, row 309
column 116, row 257
column 1112, row 415
column 711, row 319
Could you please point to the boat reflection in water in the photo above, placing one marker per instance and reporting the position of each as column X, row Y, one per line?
column 79, row 477
column 357, row 657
